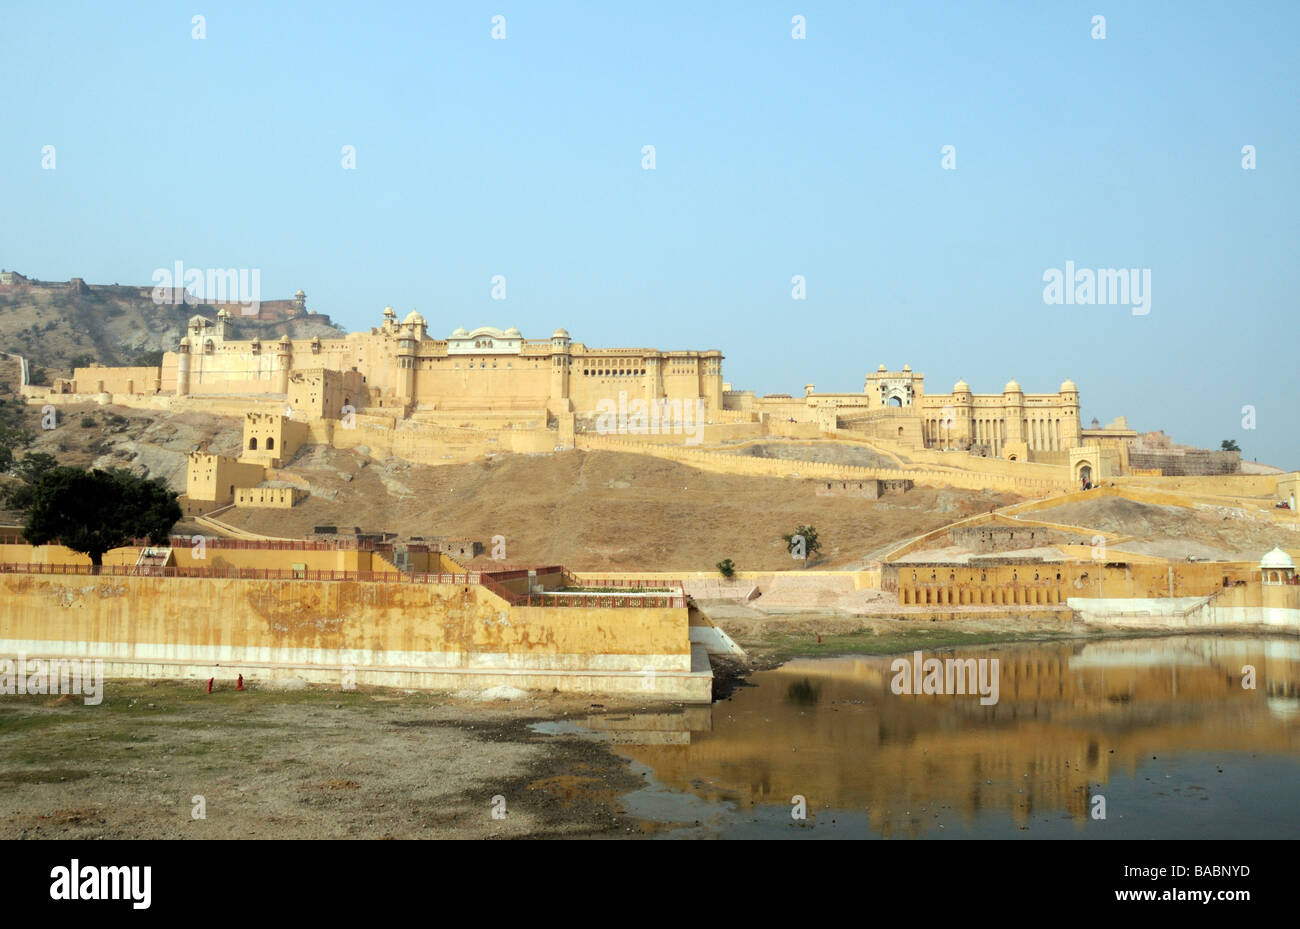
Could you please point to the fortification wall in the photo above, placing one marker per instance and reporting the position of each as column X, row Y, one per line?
column 1056, row 582
column 99, row 379
column 1053, row 474
column 1220, row 485
column 1186, row 462
column 22, row 553
column 391, row 633
column 281, row 498
column 770, row 467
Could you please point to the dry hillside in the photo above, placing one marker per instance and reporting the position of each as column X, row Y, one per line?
column 592, row 510
column 113, row 325
column 1204, row 532
column 605, row 510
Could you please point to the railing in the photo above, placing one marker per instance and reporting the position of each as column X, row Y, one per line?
column 290, row 545
column 603, row 601
column 628, row 582
column 659, row 598
column 235, row 573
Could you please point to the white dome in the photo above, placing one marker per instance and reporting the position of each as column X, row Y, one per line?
column 1069, row 387
column 882, row 369
column 513, row 333
column 1277, row 560
column 961, row 387
column 460, row 333
column 414, row 317
column 1011, row 388
column 560, row 333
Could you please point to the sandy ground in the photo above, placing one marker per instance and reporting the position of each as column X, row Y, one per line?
column 306, row 764
column 607, row 510
column 1208, row 533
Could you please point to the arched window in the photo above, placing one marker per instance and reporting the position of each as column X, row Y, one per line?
column 252, row 444
column 270, row 444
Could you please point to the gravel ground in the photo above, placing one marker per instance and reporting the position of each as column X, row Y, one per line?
column 311, row 764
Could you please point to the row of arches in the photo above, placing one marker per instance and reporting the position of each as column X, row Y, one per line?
column 945, row 595
column 1039, row 434
column 622, row 372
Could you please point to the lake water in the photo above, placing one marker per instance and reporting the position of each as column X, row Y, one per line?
column 1161, row 734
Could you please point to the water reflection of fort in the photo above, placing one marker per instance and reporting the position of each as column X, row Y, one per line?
column 1068, row 716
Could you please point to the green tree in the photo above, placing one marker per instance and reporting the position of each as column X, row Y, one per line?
column 802, row 544
column 28, row 470
column 94, row 511
column 12, row 438
column 1230, row 445
column 149, row 358
column 726, row 568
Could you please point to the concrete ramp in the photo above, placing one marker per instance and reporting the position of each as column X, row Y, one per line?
column 704, row 634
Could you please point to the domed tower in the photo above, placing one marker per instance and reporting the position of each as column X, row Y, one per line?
column 183, row 367
column 1071, row 437
column 560, row 363
column 408, row 343
column 1281, row 596
column 390, row 319
column 1013, row 412
column 283, row 362
column 417, row 325
column 963, row 404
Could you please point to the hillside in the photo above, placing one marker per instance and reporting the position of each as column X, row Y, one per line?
column 604, row 510
column 586, row 510
column 53, row 324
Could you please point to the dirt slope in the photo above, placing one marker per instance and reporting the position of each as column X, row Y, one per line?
column 605, row 510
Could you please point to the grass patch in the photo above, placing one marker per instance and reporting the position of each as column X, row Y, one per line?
column 866, row 642
column 13, row 778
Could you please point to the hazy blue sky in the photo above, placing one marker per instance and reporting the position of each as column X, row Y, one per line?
column 774, row 157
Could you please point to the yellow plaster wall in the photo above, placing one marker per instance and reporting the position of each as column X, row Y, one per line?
column 147, row 617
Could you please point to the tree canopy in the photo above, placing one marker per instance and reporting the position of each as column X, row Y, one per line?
column 17, row 495
column 802, row 544
column 94, row 511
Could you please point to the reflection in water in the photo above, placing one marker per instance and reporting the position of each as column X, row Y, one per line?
column 803, row 692
column 1163, row 728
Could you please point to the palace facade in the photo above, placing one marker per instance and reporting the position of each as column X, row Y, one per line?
column 399, row 365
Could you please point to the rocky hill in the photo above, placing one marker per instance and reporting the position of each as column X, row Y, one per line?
column 57, row 325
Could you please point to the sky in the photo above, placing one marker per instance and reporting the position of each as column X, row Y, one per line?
column 774, row 157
